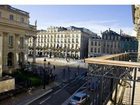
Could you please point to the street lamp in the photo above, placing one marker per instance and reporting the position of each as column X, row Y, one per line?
column 44, row 74
column 44, row 63
column 66, row 53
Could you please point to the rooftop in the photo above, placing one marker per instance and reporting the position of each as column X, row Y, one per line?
column 12, row 9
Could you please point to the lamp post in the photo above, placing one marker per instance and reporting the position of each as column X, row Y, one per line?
column 66, row 54
column 44, row 74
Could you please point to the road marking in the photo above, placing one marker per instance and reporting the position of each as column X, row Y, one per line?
column 45, row 100
column 67, row 101
column 39, row 97
column 57, row 91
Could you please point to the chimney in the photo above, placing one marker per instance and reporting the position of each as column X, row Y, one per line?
column 120, row 32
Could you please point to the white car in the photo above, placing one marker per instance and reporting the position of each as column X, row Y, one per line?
column 79, row 98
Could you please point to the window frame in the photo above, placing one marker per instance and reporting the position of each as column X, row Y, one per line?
column 11, row 17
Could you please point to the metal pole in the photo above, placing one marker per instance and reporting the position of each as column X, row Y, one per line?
column 34, row 49
column 44, row 81
column 101, row 91
column 116, row 91
column 134, row 84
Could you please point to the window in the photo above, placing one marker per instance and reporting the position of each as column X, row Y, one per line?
column 68, row 40
column 11, row 17
column 76, row 46
column 65, row 40
column 72, row 46
column 10, row 41
column 72, row 40
column 21, row 42
column 91, row 50
column 98, row 50
column 99, row 44
column 95, row 43
column 76, row 40
column 22, row 20
column 91, row 43
column 95, row 50
column 41, row 40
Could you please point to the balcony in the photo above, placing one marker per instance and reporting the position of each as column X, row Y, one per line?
column 116, row 75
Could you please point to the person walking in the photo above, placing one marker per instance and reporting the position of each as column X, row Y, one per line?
column 54, row 67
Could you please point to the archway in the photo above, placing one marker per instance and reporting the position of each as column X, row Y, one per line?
column 10, row 59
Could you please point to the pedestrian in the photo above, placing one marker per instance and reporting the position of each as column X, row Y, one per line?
column 48, row 63
column 78, row 69
column 50, row 71
column 64, row 71
column 54, row 67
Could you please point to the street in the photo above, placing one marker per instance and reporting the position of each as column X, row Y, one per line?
column 60, row 93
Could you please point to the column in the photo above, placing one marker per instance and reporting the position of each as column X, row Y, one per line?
column 138, row 37
column 26, row 49
column 1, row 38
column 134, row 85
column 34, row 49
column 17, row 50
column 4, row 51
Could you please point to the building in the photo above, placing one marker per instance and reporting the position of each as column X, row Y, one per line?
column 95, row 46
column 14, row 33
column 129, row 43
column 62, row 42
column 136, row 21
column 111, row 42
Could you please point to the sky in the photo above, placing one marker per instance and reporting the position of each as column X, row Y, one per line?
column 97, row 18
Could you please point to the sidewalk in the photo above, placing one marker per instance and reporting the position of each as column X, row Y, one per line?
column 24, row 98
column 61, row 62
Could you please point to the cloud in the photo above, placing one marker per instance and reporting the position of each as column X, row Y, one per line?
column 95, row 26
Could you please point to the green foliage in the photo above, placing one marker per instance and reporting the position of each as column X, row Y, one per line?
column 27, row 76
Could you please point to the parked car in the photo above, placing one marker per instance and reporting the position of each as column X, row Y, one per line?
column 79, row 98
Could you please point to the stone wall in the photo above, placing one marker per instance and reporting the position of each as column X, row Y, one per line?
column 7, row 84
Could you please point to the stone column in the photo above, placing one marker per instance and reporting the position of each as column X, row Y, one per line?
column 138, row 37
column 34, row 49
column 16, row 50
column 26, row 48
column 1, row 44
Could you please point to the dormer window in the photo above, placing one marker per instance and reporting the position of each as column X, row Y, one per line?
column 11, row 17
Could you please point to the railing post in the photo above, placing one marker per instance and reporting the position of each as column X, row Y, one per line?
column 134, row 84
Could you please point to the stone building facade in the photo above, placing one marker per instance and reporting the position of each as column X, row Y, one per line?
column 129, row 43
column 62, row 42
column 111, row 42
column 95, row 46
column 136, row 21
column 14, row 33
